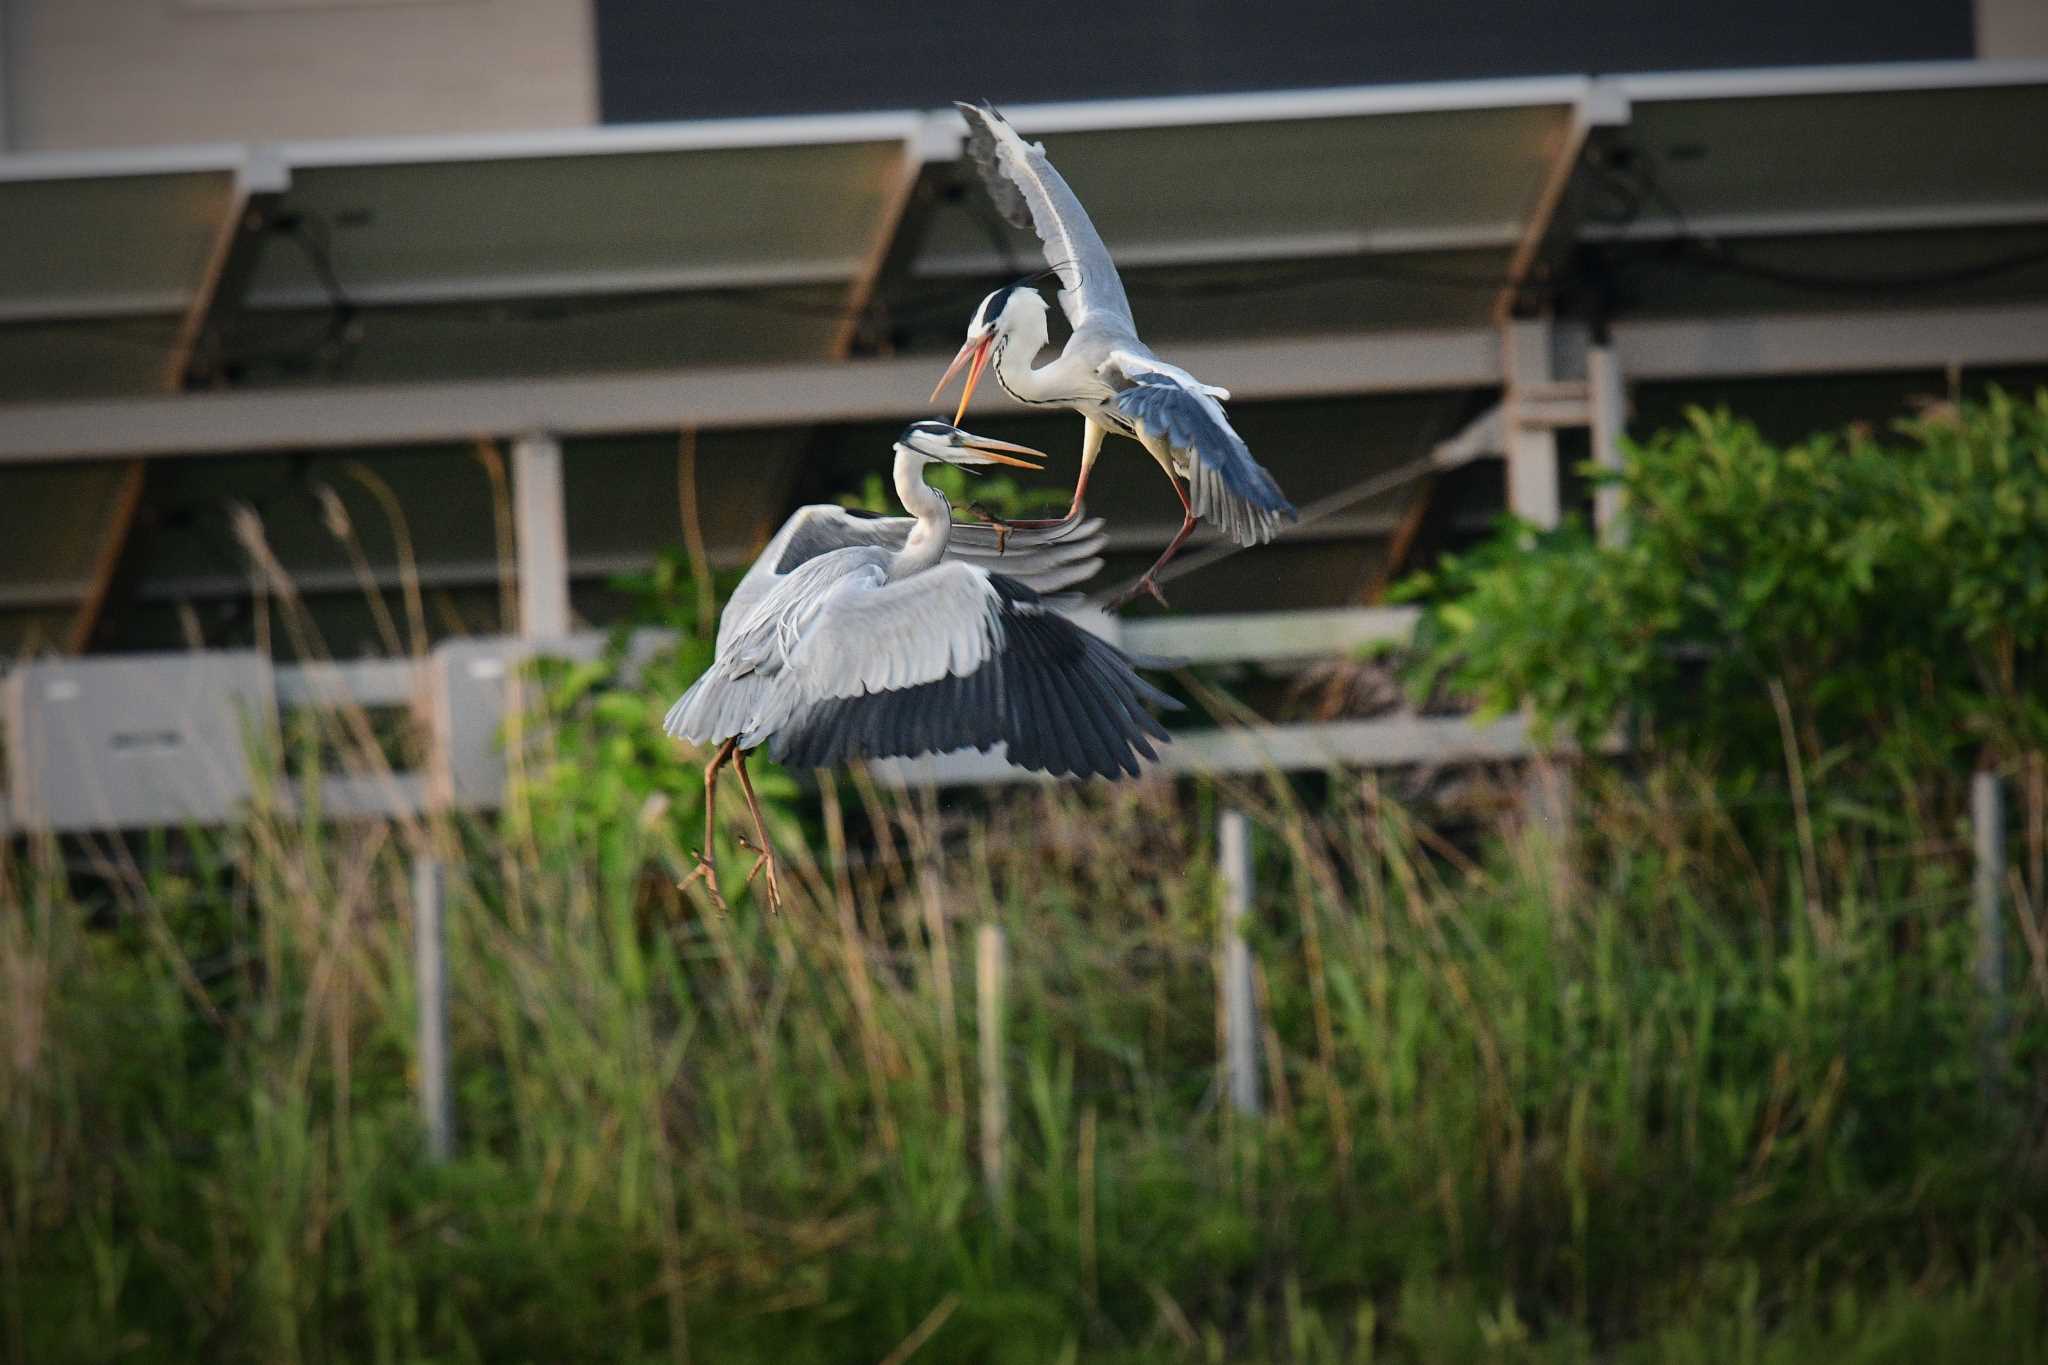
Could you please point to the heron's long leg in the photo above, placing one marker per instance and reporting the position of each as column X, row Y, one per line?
column 706, row 868
column 1091, row 447
column 1148, row 583
column 766, row 852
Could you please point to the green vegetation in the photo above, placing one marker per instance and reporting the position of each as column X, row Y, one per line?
column 1658, row 1114
column 1718, row 1086
column 1890, row 598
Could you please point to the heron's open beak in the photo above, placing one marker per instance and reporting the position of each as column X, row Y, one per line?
column 987, row 448
column 975, row 351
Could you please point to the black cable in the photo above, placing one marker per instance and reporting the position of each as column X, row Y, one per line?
column 1633, row 176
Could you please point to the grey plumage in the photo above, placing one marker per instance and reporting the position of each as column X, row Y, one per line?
column 1226, row 486
column 1057, row 698
column 859, row 637
column 1030, row 193
column 1047, row 559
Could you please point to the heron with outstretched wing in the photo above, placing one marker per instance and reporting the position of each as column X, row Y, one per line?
column 1105, row 373
column 860, row 637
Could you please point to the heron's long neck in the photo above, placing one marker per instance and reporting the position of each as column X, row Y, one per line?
column 927, row 543
column 1023, row 337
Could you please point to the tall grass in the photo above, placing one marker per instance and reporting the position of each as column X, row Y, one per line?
column 1638, row 1104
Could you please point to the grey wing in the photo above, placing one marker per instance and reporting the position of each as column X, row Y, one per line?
column 836, row 626
column 1047, row 558
column 1059, row 699
column 1029, row 192
column 747, row 689
column 1226, row 487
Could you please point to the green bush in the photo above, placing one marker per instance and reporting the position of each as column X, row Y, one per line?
column 1894, row 592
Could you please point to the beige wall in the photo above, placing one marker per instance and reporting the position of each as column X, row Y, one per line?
column 120, row 73
column 2009, row 29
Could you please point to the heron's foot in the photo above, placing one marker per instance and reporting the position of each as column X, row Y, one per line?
column 1002, row 525
column 709, row 874
column 764, row 861
column 1037, row 523
column 1143, row 585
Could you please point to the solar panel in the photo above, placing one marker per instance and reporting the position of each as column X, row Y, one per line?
column 104, row 254
column 100, row 236
column 713, row 207
column 1915, row 147
column 1180, row 185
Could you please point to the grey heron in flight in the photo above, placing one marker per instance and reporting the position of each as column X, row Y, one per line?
column 1105, row 372
column 875, row 637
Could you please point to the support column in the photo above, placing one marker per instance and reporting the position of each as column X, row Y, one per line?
column 1987, row 827
column 542, row 537
column 430, row 984
column 1533, row 484
column 1609, row 400
column 1240, row 1016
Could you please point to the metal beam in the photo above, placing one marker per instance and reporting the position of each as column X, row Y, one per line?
column 107, row 558
column 1261, row 247
column 1609, row 401
column 711, row 397
column 1862, row 342
column 1268, row 637
column 1656, row 227
column 549, row 284
column 1392, row 741
column 886, row 248
column 260, row 183
column 231, row 260
column 1123, row 537
column 1554, row 217
column 1534, row 493
column 808, row 392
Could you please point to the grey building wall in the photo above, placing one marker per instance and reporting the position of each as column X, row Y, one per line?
column 117, row 73
column 2010, row 30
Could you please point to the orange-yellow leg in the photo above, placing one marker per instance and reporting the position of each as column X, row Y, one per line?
column 705, row 867
column 765, row 859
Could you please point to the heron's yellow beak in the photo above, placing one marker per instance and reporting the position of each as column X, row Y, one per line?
column 974, row 355
column 987, row 448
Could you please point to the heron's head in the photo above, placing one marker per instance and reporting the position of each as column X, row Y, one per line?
column 944, row 442
column 1000, row 312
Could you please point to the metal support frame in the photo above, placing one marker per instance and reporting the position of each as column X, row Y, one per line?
column 261, row 182
column 541, row 534
column 808, row 392
column 1987, row 827
column 1534, row 492
column 1240, row 1008
column 107, row 558
column 990, row 978
column 1553, row 221
column 1608, row 398
column 895, row 237
column 712, row 397
column 430, row 986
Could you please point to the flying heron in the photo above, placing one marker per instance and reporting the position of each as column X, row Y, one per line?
column 868, row 637
column 1104, row 372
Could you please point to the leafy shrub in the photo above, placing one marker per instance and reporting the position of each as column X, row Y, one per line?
column 1895, row 592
